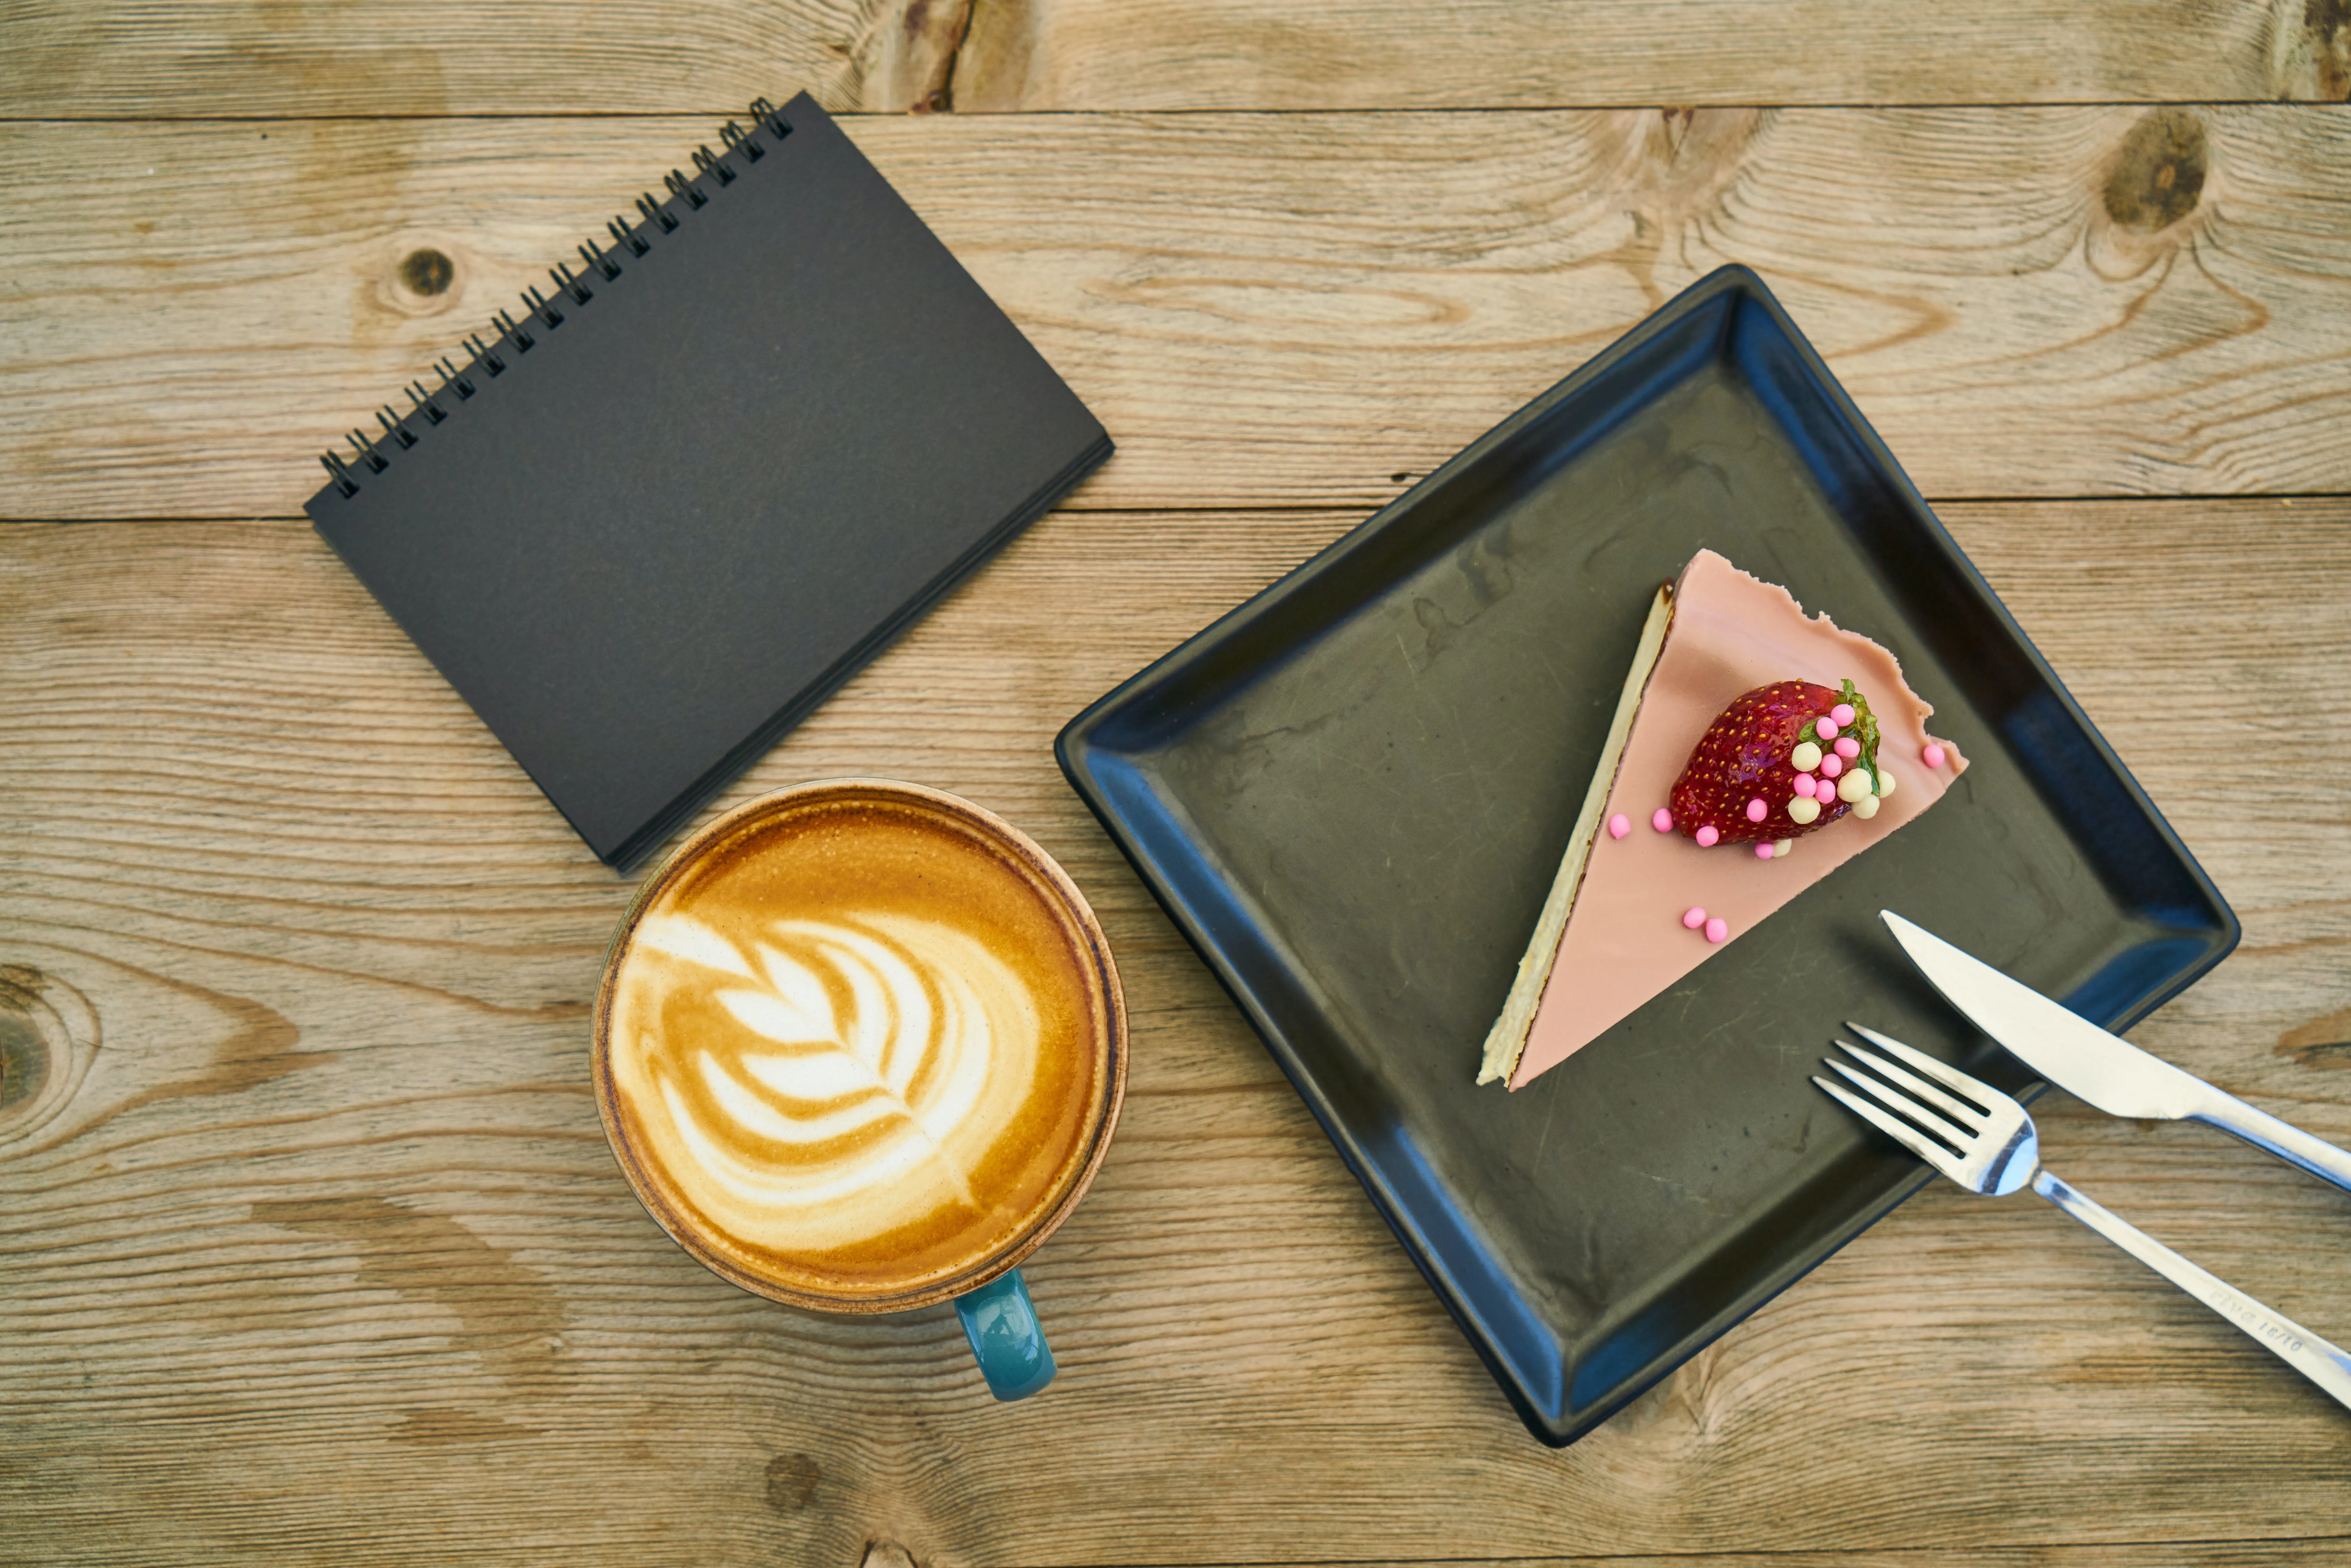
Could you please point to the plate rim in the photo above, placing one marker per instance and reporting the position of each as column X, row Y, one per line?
column 1076, row 748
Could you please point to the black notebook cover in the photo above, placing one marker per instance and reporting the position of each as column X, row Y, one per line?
column 705, row 477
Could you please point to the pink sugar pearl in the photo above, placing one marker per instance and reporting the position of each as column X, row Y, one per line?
column 1825, row 728
column 1763, row 851
column 1717, row 929
column 1757, row 811
column 1933, row 756
column 1848, row 748
column 1693, row 918
column 1843, row 713
column 1619, row 825
column 1804, row 785
column 1662, row 820
column 1831, row 766
column 1707, row 838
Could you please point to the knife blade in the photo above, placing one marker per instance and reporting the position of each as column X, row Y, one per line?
column 2097, row 1066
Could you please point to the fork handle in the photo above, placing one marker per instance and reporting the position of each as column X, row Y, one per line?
column 2314, row 1357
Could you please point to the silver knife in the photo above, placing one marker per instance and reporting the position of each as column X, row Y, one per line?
column 2091, row 1064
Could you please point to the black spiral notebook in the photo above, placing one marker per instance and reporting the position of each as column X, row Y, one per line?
column 656, row 517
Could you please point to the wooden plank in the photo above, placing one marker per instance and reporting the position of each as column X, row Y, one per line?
column 1292, row 309
column 183, row 57
column 312, row 1248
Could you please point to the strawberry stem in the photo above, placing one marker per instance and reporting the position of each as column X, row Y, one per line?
column 1865, row 730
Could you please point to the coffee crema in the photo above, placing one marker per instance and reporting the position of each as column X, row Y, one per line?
column 852, row 1051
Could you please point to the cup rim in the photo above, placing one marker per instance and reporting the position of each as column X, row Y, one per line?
column 1104, row 1124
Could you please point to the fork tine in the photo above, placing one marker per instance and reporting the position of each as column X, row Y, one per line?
column 1901, row 1131
column 1943, row 1072
column 1958, row 1138
column 1965, row 1115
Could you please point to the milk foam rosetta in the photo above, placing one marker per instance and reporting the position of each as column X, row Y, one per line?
column 875, row 1060
column 854, row 1052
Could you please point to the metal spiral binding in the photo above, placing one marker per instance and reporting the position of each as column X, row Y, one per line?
column 687, row 194
column 623, row 235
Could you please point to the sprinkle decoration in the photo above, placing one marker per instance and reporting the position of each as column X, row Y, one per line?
column 1825, row 728
column 1662, row 820
column 1847, row 747
column 1717, row 929
column 1831, row 766
column 1842, row 714
column 1693, row 918
column 1764, row 851
column 1707, row 837
column 1619, row 825
column 1757, row 811
column 1933, row 756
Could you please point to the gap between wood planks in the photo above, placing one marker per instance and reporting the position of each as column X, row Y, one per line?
column 1303, row 508
column 1577, row 106
column 2038, row 1554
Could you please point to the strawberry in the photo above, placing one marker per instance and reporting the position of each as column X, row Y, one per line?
column 1751, row 753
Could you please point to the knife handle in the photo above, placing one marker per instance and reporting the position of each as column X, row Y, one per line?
column 2284, row 1139
column 2314, row 1358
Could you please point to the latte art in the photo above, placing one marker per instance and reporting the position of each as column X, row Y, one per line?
column 858, row 1045
column 875, row 1060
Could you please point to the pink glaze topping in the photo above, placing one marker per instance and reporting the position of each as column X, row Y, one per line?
column 1707, row 837
column 1662, row 820
column 1729, row 634
column 1933, row 756
column 1619, row 825
column 1847, row 747
column 1693, row 918
column 1717, row 929
column 1843, row 713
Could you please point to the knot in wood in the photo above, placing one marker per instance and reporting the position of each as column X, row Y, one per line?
column 2159, row 175
column 426, row 271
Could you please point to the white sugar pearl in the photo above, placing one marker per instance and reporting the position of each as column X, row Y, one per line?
column 1782, row 847
column 1853, row 785
column 1884, row 781
column 1804, row 811
column 1805, row 757
column 1866, row 808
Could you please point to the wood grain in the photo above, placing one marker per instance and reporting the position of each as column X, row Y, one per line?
column 312, row 1247
column 178, row 59
column 1292, row 309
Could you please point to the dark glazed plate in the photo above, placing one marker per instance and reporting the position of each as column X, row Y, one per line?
column 1352, row 792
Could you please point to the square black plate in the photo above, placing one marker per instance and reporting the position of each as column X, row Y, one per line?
column 1352, row 793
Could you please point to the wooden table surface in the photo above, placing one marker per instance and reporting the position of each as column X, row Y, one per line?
column 311, row 1250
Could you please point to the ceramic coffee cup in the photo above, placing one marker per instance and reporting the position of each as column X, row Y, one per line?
column 860, row 1047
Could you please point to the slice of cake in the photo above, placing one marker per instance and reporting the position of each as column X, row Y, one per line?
column 1753, row 752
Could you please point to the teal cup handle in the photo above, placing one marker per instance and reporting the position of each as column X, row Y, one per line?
column 1000, row 1321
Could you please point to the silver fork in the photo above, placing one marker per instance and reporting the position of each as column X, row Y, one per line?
column 1993, row 1150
